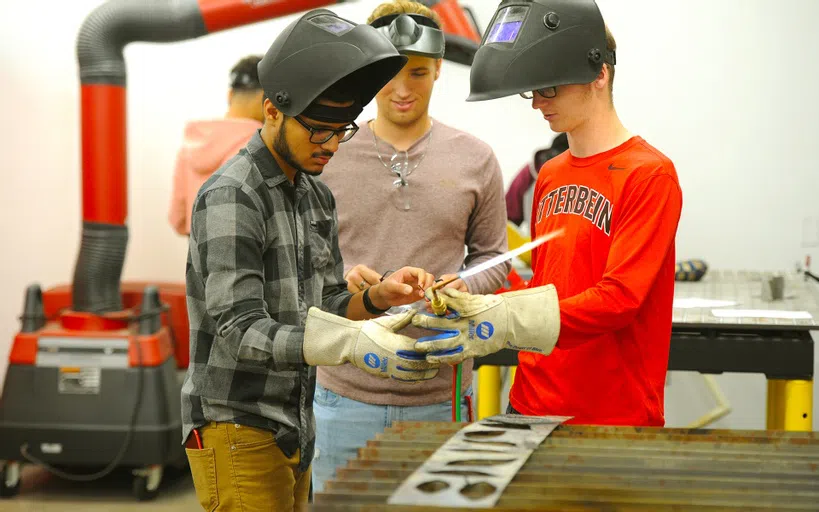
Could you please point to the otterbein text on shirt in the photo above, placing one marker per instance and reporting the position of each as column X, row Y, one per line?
column 577, row 200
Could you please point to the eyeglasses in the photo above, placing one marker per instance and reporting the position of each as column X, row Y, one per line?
column 322, row 135
column 546, row 92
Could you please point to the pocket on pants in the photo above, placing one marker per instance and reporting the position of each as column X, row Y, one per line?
column 324, row 397
column 203, row 470
column 264, row 476
column 243, row 436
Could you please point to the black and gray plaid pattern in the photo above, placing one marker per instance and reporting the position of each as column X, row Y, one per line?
column 262, row 252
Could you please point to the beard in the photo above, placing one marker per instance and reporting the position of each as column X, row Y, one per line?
column 282, row 148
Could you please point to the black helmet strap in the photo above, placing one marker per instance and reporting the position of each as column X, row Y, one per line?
column 328, row 114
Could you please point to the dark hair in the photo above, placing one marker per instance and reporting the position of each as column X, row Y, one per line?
column 342, row 91
column 244, row 76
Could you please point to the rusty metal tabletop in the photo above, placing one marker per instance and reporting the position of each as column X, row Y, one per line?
column 606, row 468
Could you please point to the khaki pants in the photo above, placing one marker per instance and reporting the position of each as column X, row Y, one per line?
column 242, row 469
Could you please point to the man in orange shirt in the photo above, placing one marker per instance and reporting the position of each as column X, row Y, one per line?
column 599, row 352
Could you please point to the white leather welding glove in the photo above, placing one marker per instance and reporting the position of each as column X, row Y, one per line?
column 479, row 325
column 372, row 345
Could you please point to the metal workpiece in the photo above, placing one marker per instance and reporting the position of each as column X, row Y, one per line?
column 472, row 468
column 613, row 468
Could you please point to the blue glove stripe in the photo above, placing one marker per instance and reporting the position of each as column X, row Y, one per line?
column 411, row 355
column 449, row 352
column 445, row 334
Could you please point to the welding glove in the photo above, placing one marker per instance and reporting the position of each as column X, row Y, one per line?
column 479, row 325
column 372, row 345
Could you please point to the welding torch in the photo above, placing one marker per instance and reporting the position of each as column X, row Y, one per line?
column 439, row 307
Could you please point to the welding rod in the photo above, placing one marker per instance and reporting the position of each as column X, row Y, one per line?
column 438, row 304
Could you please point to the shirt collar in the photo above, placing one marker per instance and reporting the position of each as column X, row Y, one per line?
column 263, row 158
column 268, row 166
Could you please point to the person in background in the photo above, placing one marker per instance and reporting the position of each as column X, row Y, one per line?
column 210, row 143
column 521, row 190
column 410, row 191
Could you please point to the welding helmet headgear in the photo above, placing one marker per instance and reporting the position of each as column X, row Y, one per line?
column 320, row 51
column 534, row 44
column 412, row 34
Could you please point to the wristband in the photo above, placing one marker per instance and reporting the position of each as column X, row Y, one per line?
column 369, row 306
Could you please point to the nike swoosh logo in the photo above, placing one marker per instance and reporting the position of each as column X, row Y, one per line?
column 613, row 168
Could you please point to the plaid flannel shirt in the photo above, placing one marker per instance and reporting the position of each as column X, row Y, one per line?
column 262, row 252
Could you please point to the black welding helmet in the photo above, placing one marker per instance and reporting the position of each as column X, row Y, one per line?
column 412, row 34
column 320, row 50
column 532, row 44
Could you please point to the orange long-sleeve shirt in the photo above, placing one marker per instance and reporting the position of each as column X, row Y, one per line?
column 614, row 274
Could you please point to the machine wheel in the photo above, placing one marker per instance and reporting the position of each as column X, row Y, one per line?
column 146, row 483
column 10, row 480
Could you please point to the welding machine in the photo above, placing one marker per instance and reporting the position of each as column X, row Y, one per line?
column 95, row 391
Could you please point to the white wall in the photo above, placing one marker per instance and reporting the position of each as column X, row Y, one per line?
column 728, row 95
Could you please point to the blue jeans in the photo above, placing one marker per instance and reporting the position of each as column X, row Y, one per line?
column 344, row 425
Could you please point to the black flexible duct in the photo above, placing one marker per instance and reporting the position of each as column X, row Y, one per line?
column 99, row 268
column 114, row 24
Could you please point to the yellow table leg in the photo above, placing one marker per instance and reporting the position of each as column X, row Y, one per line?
column 774, row 411
column 512, row 372
column 790, row 405
column 798, row 406
column 489, row 389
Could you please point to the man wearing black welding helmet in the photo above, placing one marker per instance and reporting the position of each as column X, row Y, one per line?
column 267, row 300
column 617, row 202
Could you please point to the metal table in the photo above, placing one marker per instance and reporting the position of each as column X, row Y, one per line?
column 781, row 349
column 606, row 468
